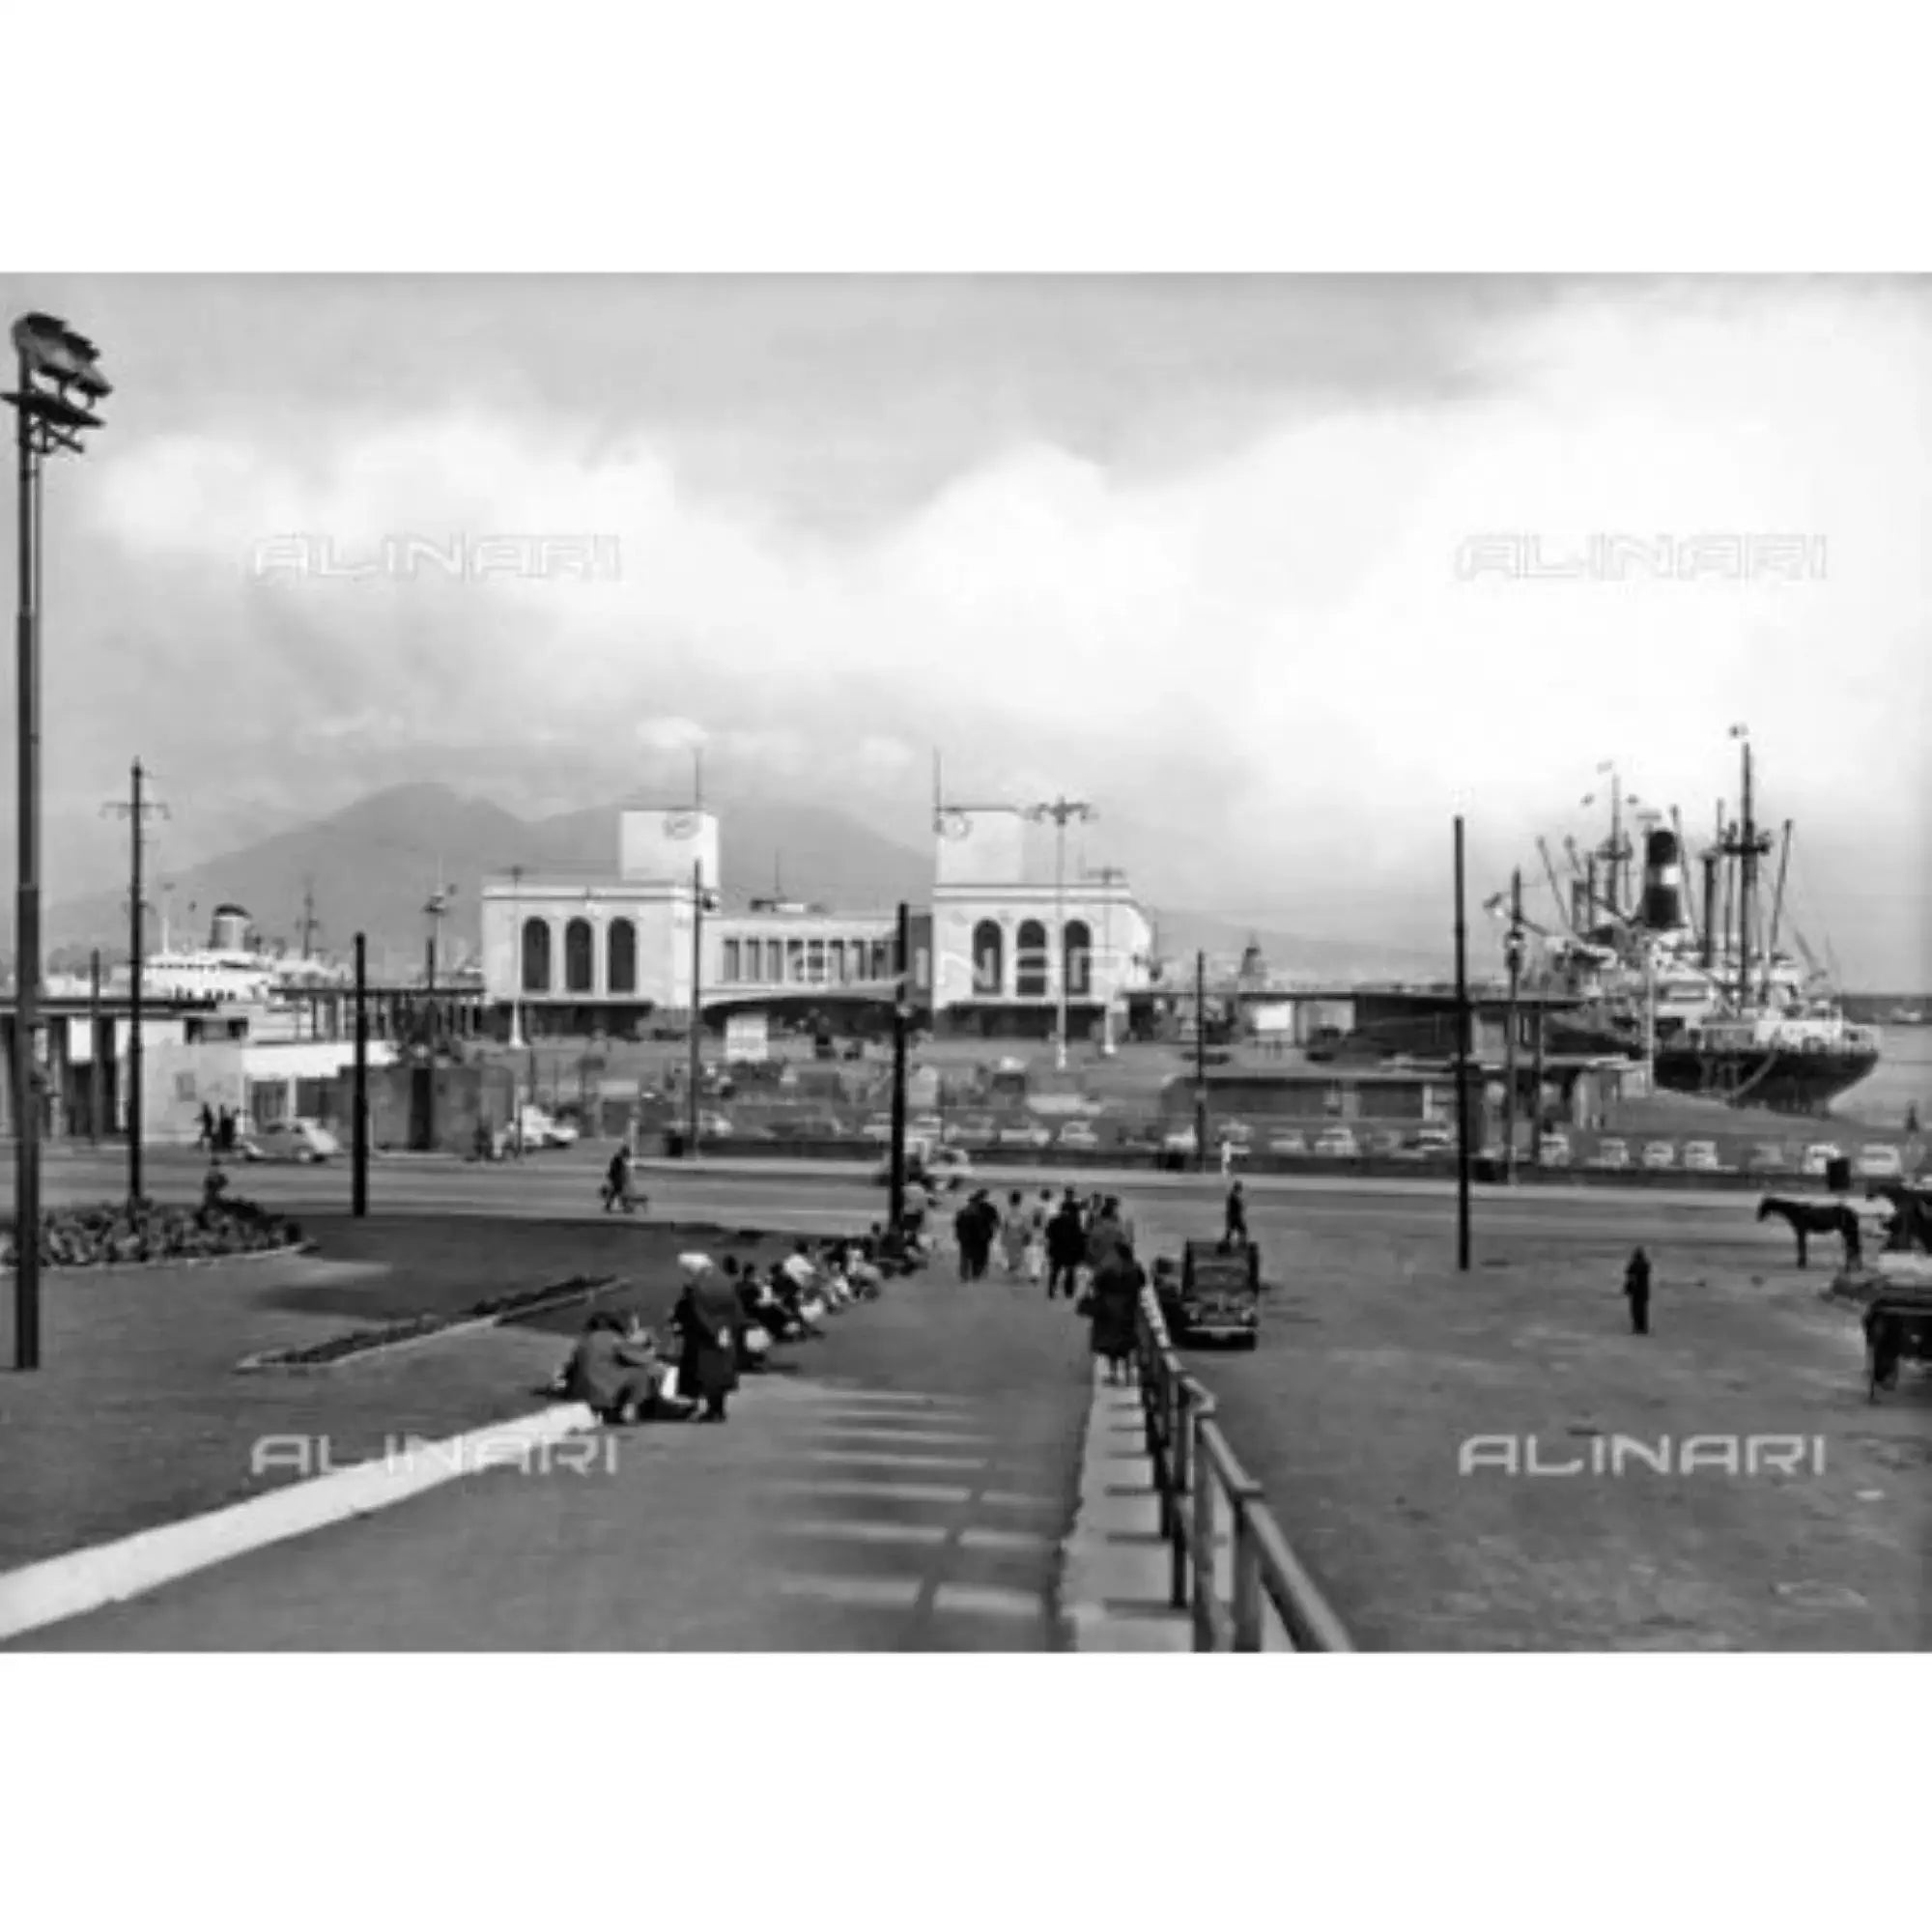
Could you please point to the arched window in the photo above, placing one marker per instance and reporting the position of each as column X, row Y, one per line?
column 578, row 956
column 1078, row 964
column 536, row 956
column 1030, row 962
column 989, row 960
column 621, row 962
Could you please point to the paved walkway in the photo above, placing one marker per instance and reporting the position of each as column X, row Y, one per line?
column 908, row 1486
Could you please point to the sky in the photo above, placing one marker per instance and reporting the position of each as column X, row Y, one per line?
column 1265, row 568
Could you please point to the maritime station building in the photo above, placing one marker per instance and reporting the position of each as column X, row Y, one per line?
column 1011, row 918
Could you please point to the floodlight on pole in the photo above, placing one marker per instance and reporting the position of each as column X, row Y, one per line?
column 55, row 364
column 1061, row 812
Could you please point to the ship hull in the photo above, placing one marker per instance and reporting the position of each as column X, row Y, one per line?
column 1784, row 1079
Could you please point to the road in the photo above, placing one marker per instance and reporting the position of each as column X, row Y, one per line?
column 834, row 1195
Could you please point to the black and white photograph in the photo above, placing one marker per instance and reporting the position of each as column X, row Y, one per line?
column 723, row 967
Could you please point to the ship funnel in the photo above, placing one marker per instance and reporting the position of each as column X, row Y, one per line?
column 1663, row 882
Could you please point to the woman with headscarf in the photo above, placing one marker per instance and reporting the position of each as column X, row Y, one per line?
column 1114, row 1304
column 617, row 1374
column 709, row 1316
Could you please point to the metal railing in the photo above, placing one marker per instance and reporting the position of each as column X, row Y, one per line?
column 1229, row 1562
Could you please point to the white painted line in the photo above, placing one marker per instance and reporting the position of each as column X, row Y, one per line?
column 913, row 1399
column 1018, row 1540
column 859, row 1432
column 875, row 1593
column 893, row 1459
column 1017, row 1499
column 885, row 1492
column 928, row 1534
column 109, row 1573
column 977, row 1599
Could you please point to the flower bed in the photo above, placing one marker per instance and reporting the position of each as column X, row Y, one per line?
column 421, row 1327
column 115, row 1235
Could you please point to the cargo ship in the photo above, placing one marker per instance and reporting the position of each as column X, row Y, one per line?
column 1695, row 983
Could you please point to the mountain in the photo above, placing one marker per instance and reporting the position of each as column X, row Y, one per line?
column 373, row 867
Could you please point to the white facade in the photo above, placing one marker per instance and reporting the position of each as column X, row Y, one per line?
column 1015, row 912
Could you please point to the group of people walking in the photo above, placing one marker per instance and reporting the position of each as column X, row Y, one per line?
column 219, row 1132
column 1081, row 1248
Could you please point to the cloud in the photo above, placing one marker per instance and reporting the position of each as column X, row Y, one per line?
column 1263, row 664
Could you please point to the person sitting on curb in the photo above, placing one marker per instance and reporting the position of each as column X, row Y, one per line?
column 619, row 1377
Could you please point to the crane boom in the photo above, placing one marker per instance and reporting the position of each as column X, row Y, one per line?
column 1555, row 890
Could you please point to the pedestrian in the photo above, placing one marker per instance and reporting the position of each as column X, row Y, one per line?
column 1235, row 1232
column 224, row 1131
column 1013, row 1234
column 1911, row 1117
column 913, row 1208
column 1035, row 1244
column 1637, row 1286
column 985, row 1225
column 1227, row 1154
column 618, row 1375
column 617, row 1182
column 1065, row 1245
column 1113, row 1310
column 708, row 1319
column 206, row 1138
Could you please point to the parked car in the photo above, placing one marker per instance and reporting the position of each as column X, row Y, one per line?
column 1611, row 1154
column 1701, row 1157
column 975, row 1131
column 541, row 1130
column 1818, row 1156
column 1023, row 1134
column 1553, row 1150
column 301, row 1140
column 1658, row 1154
column 1881, row 1161
column 1432, row 1137
column 1178, row 1140
column 1238, row 1131
column 1078, row 1134
column 878, row 1129
column 1385, row 1142
column 1290, row 1142
column 929, row 1124
column 1338, row 1144
column 816, row 1128
column 1766, row 1158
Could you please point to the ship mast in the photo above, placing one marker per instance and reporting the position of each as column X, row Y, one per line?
column 1746, row 848
column 1777, row 907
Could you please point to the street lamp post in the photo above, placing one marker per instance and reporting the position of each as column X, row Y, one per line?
column 1061, row 812
column 1513, row 959
column 55, row 365
column 516, row 1039
column 701, row 901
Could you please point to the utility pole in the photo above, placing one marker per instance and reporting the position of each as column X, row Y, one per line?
column 96, row 1087
column 138, row 810
column 1463, row 1055
column 359, row 1141
column 1536, row 1105
column 1513, row 957
column 1201, row 1063
column 901, row 1019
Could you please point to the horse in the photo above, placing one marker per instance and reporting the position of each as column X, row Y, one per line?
column 1912, row 1214
column 1805, row 1218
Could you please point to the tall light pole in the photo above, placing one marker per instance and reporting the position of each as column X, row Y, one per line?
column 1513, row 959
column 701, row 901
column 516, row 958
column 1061, row 812
column 1107, row 877
column 1462, row 1067
column 55, row 365
column 136, row 811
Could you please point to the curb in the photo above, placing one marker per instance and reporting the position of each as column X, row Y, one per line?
column 1114, row 1562
column 174, row 1261
column 90, row 1580
column 265, row 1362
